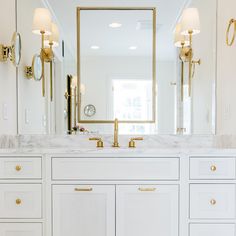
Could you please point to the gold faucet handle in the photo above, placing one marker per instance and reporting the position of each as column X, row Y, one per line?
column 99, row 142
column 132, row 143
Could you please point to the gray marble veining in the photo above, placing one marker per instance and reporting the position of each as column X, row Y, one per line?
column 77, row 142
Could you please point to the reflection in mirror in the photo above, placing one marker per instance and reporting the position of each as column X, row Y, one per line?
column 116, row 50
column 116, row 70
column 16, row 49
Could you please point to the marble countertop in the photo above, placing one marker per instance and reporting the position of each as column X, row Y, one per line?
column 153, row 145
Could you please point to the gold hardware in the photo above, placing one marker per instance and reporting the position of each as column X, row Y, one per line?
column 231, row 22
column 154, row 84
column 213, row 202
column 28, row 72
column 83, row 189
column 213, row 168
column 18, row 168
column 132, row 144
column 147, row 189
column 9, row 52
column 18, row 201
column 116, row 133
column 181, row 130
column 99, row 142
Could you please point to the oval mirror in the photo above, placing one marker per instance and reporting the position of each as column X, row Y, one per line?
column 37, row 67
column 16, row 49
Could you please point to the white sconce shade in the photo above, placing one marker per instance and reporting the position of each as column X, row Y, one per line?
column 54, row 37
column 190, row 21
column 180, row 39
column 42, row 21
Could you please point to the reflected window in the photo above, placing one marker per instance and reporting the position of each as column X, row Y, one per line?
column 132, row 100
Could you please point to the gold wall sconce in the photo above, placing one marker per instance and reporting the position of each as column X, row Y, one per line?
column 12, row 52
column 184, row 32
column 43, row 26
column 232, row 22
column 71, row 97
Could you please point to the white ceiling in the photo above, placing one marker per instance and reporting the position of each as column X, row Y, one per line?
column 168, row 12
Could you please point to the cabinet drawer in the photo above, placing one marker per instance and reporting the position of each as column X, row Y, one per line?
column 20, row 200
column 20, row 229
column 212, row 229
column 212, row 201
column 20, row 168
column 212, row 168
column 115, row 168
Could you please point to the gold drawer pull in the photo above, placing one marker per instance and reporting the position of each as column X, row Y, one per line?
column 18, row 168
column 18, row 201
column 213, row 202
column 147, row 189
column 83, row 189
column 213, row 168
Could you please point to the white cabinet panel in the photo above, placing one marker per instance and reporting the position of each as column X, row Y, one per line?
column 115, row 168
column 20, row 229
column 20, row 168
column 83, row 210
column 20, row 201
column 212, row 201
column 147, row 210
column 212, row 168
column 212, row 230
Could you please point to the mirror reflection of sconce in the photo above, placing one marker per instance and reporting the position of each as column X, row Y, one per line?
column 13, row 52
column 230, row 42
column 71, row 97
column 43, row 26
column 188, row 26
column 35, row 70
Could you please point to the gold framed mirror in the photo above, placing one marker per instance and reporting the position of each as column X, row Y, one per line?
column 116, row 64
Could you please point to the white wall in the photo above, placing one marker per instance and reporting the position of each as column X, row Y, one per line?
column 8, row 121
column 226, row 71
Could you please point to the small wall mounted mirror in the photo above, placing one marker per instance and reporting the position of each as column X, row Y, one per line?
column 35, row 71
column 37, row 67
column 15, row 50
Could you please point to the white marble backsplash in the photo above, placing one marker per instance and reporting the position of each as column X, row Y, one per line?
column 82, row 142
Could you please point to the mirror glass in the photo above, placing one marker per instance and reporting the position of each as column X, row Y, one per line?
column 115, row 66
column 37, row 67
column 16, row 48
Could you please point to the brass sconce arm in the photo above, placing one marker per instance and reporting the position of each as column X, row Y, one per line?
column 230, row 42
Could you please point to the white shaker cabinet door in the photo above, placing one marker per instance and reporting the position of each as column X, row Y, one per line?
column 80, row 210
column 147, row 210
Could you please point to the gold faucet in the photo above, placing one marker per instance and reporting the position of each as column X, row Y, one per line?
column 116, row 133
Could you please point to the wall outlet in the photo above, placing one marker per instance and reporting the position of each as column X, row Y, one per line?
column 5, row 111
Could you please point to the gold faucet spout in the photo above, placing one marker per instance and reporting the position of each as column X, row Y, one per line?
column 116, row 133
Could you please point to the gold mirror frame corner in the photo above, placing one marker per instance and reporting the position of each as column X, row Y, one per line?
column 154, row 81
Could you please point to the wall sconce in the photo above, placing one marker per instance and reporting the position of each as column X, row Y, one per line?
column 181, row 42
column 43, row 26
column 71, row 97
column 190, row 25
column 230, row 42
column 13, row 52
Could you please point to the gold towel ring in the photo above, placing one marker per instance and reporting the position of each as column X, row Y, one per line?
column 232, row 21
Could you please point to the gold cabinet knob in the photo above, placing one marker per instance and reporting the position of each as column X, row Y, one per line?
column 132, row 143
column 100, row 143
column 18, row 168
column 213, row 202
column 18, row 201
column 213, row 168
